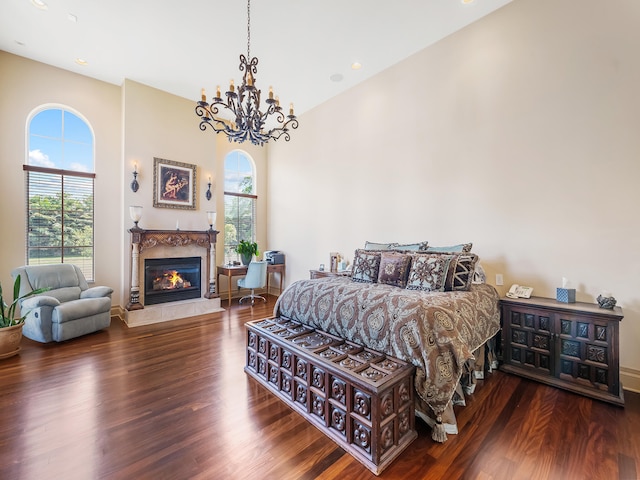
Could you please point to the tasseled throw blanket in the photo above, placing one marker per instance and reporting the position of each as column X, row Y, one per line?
column 436, row 331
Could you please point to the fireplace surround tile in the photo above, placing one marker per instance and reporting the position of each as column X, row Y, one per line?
column 164, row 312
column 147, row 244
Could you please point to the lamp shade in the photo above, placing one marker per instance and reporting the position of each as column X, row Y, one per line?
column 211, row 218
column 135, row 212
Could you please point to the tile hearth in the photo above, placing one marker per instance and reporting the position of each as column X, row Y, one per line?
column 164, row 312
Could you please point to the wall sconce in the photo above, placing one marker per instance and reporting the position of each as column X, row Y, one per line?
column 208, row 194
column 134, row 184
column 135, row 212
column 211, row 218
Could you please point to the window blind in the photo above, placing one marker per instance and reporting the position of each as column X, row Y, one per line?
column 60, row 218
column 240, row 218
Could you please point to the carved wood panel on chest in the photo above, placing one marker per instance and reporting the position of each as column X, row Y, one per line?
column 360, row 398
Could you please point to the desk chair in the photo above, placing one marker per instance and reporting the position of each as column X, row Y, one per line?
column 256, row 278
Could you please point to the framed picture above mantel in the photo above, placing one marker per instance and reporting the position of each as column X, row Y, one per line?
column 174, row 184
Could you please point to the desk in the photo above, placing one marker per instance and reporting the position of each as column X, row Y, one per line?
column 241, row 270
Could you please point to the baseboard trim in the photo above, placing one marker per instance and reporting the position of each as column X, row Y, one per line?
column 630, row 379
column 117, row 311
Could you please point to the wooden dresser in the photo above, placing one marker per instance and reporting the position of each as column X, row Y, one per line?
column 574, row 346
column 327, row 273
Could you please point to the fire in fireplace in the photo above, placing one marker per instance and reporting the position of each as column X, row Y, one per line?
column 171, row 279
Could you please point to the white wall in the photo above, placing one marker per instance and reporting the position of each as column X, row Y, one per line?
column 157, row 124
column 536, row 105
column 518, row 133
column 132, row 124
column 25, row 85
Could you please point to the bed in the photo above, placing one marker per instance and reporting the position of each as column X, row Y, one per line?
column 437, row 331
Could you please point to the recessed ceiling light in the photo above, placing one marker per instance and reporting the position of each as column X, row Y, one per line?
column 39, row 4
column 356, row 66
column 467, row 2
column 20, row 43
column 72, row 18
column 81, row 61
column 336, row 77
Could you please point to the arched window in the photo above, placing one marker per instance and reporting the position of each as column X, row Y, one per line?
column 239, row 202
column 60, row 183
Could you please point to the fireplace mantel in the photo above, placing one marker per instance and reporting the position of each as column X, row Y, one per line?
column 145, row 239
column 172, row 238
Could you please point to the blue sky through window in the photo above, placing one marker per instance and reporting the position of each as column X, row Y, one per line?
column 237, row 166
column 60, row 139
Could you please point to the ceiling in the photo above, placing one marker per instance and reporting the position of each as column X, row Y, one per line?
column 181, row 46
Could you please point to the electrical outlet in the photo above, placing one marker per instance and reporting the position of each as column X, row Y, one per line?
column 499, row 279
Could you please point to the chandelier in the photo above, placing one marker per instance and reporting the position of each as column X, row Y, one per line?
column 238, row 115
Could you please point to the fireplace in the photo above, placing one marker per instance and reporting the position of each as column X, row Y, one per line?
column 171, row 279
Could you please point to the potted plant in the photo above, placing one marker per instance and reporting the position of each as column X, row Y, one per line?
column 10, row 323
column 247, row 250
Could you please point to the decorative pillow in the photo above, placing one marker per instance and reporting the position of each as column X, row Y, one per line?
column 479, row 276
column 428, row 272
column 394, row 268
column 378, row 246
column 460, row 248
column 411, row 247
column 460, row 273
column 366, row 264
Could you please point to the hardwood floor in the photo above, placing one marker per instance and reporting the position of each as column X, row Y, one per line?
column 171, row 401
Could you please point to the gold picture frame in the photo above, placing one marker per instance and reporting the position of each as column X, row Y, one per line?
column 174, row 184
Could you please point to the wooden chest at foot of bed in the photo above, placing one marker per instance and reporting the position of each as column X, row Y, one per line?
column 360, row 398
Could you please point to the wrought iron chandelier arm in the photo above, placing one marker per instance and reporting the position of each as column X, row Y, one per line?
column 244, row 106
column 272, row 109
column 276, row 133
column 207, row 118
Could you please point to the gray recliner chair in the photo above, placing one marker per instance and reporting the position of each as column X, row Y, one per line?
column 69, row 309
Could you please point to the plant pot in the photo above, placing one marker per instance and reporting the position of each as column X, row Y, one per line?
column 10, row 341
column 246, row 258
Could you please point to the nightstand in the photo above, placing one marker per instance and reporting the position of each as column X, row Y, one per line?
column 568, row 345
column 327, row 273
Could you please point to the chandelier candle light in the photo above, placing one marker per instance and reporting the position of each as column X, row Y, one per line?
column 239, row 116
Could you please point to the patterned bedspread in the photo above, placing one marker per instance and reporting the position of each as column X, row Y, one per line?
column 436, row 331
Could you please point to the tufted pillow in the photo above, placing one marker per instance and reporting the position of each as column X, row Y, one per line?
column 394, row 269
column 429, row 272
column 366, row 264
column 378, row 246
column 460, row 248
column 411, row 247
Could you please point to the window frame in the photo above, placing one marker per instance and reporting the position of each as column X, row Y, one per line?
column 229, row 248
column 67, row 178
